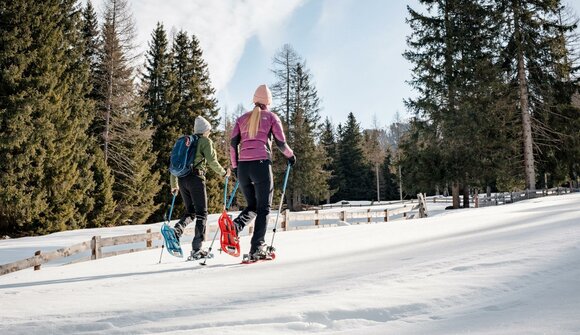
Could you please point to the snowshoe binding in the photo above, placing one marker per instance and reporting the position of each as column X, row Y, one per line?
column 262, row 253
column 199, row 254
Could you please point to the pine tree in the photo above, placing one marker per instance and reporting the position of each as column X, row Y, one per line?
column 90, row 30
column 558, row 157
column 353, row 171
column 388, row 179
column 103, row 212
column 160, row 108
column 375, row 152
column 328, row 143
column 124, row 134
column 531, row 29
column 454, row 49
column 44, row 115
column 195, row 97
column 308, row 179
column 205, row 104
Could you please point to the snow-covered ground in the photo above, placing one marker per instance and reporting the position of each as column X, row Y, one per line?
column 511, row 269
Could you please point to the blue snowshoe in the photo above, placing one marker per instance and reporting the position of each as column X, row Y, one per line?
column 171, row 241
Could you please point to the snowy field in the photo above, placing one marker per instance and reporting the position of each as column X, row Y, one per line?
column 511, row 269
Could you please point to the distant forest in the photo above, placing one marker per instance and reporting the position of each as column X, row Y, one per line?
column 87, row 127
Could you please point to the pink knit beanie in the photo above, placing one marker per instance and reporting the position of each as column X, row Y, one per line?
column 263, row 95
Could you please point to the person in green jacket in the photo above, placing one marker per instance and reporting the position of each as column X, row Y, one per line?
column 193, row 189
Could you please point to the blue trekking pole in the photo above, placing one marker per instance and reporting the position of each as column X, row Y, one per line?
column 168, row 221
column 227, row 205
column 271, row 247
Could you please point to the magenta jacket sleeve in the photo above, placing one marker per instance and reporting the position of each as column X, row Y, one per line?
column 279, row 137
column 234, row 142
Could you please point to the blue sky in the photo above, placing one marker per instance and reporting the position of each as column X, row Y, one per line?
column 353, row 48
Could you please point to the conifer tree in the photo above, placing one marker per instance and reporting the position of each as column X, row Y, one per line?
column 328, row 143
column 103, row 212
column 195, row 97
column 124, row 134
column 531, row 30
column 308, row 179
column 353, row 171
column 454, row 49
column 375, row 152
column 44, row 114
column 90, row 30
column 160, row 107
column 388, row 179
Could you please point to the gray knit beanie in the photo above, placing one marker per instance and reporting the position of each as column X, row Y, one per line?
column 201, row 125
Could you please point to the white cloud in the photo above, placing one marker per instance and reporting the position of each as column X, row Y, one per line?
column 222, row 26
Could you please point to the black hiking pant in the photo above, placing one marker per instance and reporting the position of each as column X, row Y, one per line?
column 194, row 195
column 257, row 184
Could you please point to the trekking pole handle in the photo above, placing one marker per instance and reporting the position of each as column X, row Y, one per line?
column 233, row 194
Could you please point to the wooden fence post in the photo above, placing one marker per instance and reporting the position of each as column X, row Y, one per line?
column 96, row 252
column 342, row 216
column 37, row 267
column 316, row 218
column 369, row 215
column 386, row 215
column 149, row 242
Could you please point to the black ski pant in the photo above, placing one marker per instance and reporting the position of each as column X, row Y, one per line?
column 194, row 195
column 257, row 184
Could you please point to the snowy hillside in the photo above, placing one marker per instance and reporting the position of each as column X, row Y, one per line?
column 512, row 269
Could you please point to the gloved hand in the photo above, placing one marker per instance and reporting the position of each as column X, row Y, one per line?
column 174, row 190
column 235, row 172
column 292, row 160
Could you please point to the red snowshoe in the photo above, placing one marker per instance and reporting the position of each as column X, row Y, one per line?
column 229, row 237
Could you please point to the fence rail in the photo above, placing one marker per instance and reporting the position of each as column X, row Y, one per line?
column 96, row 244
column 508, row 197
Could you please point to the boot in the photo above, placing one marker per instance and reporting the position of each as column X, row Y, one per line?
column 180, row 226
column 260, row 252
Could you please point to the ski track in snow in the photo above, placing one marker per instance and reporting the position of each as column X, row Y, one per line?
column 512, row 269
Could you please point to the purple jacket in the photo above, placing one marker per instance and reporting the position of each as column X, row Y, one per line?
column 260, row 147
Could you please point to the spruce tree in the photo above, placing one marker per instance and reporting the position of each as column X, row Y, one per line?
column 308, row 179
column 457, row 73
column 388, row 179
column 90, row 30
column 530, row 30
column 120, row 125
column 205, row 104
column 44, row 114
column 160, row 108
column 195, row 97
column 102, row 213
column 328, row 143
column 353, row 171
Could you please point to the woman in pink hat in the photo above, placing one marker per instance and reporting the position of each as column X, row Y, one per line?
column 251, row 158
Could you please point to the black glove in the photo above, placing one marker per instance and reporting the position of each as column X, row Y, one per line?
column 292, row 160
column 235, row 172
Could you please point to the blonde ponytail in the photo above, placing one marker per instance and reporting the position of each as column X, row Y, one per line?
column 254, row 122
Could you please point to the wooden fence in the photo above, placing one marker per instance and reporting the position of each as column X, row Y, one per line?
column 97, row 243
column 507, row 197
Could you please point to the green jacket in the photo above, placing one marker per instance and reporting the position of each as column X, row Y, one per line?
column 204, row 156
